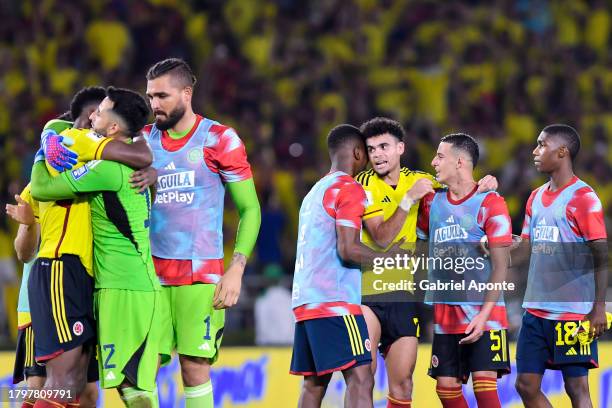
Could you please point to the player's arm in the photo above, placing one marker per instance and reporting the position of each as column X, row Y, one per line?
column 25, row 213
column 26, row 242
column 348, row 210
column 245, row 198
column 136, row 155
column 585, row 214
column 597, row 316
column 228, row 158
column 351, row 250
column 498, row 229
column 94, row 176
column 487, row 183
column 423, row 217
column 143, row 179
column 383, row 232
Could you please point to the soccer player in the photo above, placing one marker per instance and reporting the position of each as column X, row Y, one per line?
column 60, row 280
column 469, row 328
column 127, row 297
column 330, row 330
column 564, row 222
column 195, row 158
column 391, row 216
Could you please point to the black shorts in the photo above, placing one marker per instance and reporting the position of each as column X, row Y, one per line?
column 26, row 366
column 61, row 306
column 450, row 359
column 397, row 319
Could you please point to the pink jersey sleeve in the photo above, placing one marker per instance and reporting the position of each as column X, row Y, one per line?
column 526, row 229
column 225, row 154
column 585, row 215
column 345, row 201
column 495, row 218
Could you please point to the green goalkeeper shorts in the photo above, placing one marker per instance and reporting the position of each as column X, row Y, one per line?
column 129, row 331
column 192, row 326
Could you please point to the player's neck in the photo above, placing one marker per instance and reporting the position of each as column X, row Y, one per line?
column 461, row 186
column 392, row 178
column 345, row 166
column 560, row 178
column 185, row 123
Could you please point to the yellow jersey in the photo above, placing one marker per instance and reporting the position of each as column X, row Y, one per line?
column 383, row 200
column 65, row 225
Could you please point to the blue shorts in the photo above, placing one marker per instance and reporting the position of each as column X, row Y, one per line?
column 548, row 344
column 329, row 344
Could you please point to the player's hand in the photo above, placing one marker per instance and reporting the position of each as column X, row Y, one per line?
column 57, row 154
column 475, row 329
column 487, row 183
column 228, row 287
column 143, row 179
column 597, row 317
column 21, row 212
column 420, row 189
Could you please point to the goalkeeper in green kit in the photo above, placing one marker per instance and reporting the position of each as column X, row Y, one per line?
column 127, row 290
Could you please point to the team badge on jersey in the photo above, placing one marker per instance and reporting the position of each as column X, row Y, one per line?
column 77, row 328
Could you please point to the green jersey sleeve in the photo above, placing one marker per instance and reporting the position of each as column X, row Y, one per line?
column 96, row 175
column 58, row 125
column 45, row 187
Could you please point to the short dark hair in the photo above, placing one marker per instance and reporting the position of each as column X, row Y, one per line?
column 569, row 135
column 176, row 67
column 130, row 106
column 65, row 116
column 465, row 143
column 379, row 126
column 90, row 94
column 342, row 134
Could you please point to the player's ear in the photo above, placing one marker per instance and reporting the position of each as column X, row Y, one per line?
column 563, row 152
column 187, row 93
column 401, row 147
column 357, row 152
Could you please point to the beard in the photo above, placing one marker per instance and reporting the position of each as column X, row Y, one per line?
column 172, row 118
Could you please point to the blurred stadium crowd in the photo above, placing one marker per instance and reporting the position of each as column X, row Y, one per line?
column 283, row 72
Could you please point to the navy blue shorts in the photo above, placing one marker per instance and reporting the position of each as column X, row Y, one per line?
column 548, row 344
column 61, row 306
column 26, row 367
column 329, row 344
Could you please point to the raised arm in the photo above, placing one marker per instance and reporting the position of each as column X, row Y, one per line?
column 384, row 232
column 137, row 155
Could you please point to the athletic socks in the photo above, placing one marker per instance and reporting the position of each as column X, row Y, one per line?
column 451, row 397
column 135, row 397
column 200, row 396
column 485, row 389
column 397, row 403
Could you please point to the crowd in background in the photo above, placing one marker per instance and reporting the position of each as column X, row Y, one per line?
column 283, row 72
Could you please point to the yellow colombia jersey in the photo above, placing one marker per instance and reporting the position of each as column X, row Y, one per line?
column 384, row 200
column 65, row 225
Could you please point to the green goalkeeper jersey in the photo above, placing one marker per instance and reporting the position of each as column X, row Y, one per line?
column 120, row 220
